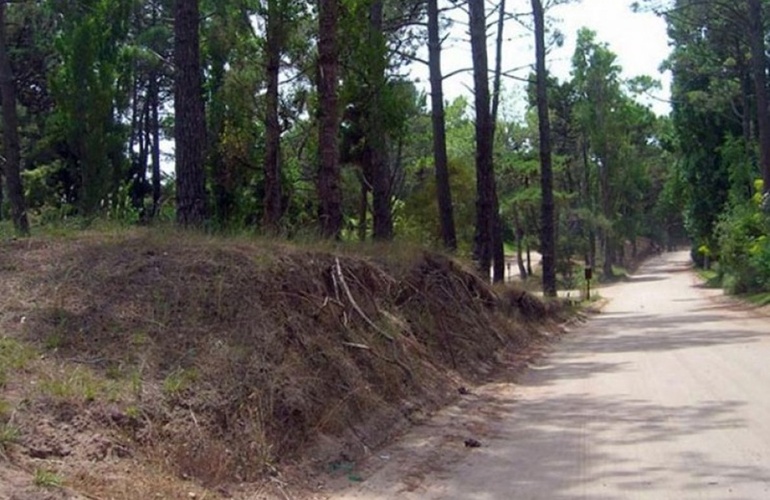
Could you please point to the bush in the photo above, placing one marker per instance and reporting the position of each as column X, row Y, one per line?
column 744, row 246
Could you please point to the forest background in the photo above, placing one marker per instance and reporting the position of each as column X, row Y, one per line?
column 303, row 119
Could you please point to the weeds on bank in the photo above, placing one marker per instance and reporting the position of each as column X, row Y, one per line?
column 760, row 299
column 13, row 356
column 179, row 380
column 80, row 384
column 9, row 434
column 45, row 478
column 710, row 278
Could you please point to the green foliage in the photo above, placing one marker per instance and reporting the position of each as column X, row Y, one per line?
column 179, row 380
column 712, row 116
column 89, row 90
column 418, row 220
column 45, row 478
column 80, row 384
column 9, row 434
column 744, row 248
column 119, row 207
column 13, row 356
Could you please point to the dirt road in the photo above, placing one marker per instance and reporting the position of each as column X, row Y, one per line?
column 665, row 395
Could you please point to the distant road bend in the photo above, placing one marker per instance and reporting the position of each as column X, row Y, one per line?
column 664, row 395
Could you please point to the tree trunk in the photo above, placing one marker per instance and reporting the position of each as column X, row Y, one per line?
column 363, row 209
column 139, row 178
column 154, row 98
column 591, row 255
column 520, row 253
column 222, row 179
column 190, row 119
column 497, row 82
column 759, row 74
column 529, row 260
column 376, row 137
column 547, row 235
column 329, row 191
column 441, row 162
column 606, row 205
column 272, row 162
column 11, row 134
column 486, row 223
column 498, row 249
column 153, row 94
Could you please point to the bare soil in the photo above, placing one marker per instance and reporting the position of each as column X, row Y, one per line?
column 140, row 365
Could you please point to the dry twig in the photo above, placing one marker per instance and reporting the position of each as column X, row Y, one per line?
column 343, row 283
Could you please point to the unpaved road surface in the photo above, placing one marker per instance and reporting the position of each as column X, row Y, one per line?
column 664, row 395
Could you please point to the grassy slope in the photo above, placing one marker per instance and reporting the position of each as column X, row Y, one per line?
column 142, row 362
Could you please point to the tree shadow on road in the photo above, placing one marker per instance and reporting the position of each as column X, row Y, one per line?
column 542, row 453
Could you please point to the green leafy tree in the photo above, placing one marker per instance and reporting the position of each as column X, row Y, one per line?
column 89, row 92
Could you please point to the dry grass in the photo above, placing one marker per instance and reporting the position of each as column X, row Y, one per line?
column 225, row 361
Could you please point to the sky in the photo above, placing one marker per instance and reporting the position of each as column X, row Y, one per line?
column 638, row 39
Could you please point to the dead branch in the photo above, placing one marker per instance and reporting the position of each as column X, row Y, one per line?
column 356, row 307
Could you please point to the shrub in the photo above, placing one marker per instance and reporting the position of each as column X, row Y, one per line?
column 744, row 246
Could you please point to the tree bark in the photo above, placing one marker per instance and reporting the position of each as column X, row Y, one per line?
column 272, row 162
column 759, row 74
column 153, row 92
column 363, row 209
column 486, row 219
column 376, row 137
column 440, row 160
column 190, row 119
column 547, row 235
column 153, row 95
column 498, row 249
column 497, row 82
column 329, row 191
column 11, row 134
column 520, row 251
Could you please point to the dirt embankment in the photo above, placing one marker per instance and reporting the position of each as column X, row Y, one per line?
column 184, row 366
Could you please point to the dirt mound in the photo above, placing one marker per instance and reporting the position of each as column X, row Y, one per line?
column 226, row 361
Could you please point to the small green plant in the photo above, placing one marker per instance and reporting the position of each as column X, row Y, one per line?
column 140, row 339
column 8, row 434
column 113, row 372
column 136, row 383
column 133, row 411
column 78, row 383
column 13, row 356
column 47, row 479
column 179, row 380
column 5, row 409
column 53, row 341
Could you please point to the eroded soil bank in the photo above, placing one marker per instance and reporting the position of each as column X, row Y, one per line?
column 138, row 364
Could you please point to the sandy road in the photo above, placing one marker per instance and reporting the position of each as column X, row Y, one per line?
column 665, row 395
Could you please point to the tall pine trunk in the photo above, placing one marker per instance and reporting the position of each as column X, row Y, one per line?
column 272, row 160
column 547, row 236
column 759, row 74
column 441, row 162
column 11, row 134
column 190, row 119
column 486, row 218
column 329, row 191
column 154, row 98
column 378, row 170
column 498, row 249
